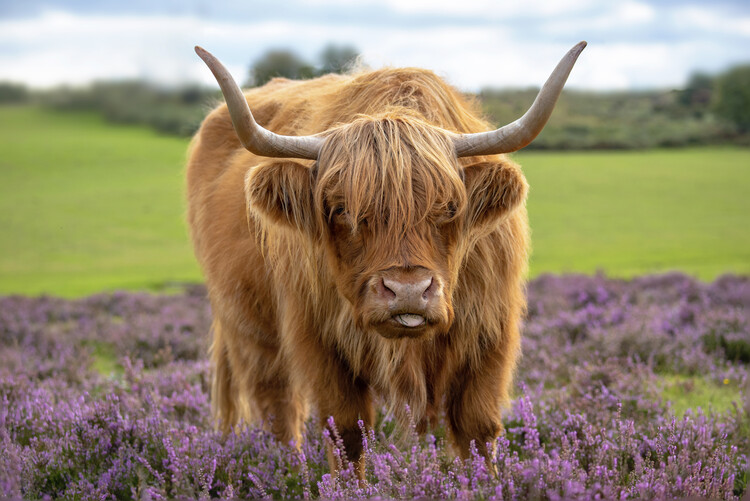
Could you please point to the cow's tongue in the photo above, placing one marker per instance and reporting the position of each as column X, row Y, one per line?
column 409, row 319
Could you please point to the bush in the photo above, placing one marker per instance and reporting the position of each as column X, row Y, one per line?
column 733, row 100
column 616, row 120
column 11, row 93
column 171, row 111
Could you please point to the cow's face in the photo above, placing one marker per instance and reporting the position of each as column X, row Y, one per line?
column 395, row 214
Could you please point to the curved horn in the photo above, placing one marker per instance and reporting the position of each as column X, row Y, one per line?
column 252, row 136
column 520, row 133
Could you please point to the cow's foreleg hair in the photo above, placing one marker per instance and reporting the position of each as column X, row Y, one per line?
column 252, row 384
column 475, row 402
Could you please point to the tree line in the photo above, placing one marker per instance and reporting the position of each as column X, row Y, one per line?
column 709, row 109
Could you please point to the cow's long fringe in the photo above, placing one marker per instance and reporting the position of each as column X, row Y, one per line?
column 393, row 170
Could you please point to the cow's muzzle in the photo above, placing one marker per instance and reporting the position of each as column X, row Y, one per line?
column 407, row 302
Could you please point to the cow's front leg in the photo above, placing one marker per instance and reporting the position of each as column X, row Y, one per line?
column 334, row 388
column 347, row 399
column 474, row 404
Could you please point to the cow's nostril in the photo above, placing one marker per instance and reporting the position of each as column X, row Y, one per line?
column 429, row 290
column 386, row 290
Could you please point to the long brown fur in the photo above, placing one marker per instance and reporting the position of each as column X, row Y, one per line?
column 286, row 267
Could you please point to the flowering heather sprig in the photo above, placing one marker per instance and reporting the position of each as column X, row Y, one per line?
column 107, row 398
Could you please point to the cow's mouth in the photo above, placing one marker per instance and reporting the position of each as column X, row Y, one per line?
column 405, row 325
column 413, row 323
column 409, row 320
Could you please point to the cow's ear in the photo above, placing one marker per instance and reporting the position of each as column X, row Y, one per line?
column 494, row 190
column 281, row 193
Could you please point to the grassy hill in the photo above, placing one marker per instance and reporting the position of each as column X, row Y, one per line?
column 87, row 206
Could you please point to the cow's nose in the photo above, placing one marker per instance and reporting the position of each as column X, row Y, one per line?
column 412, row 290
column 415, row 291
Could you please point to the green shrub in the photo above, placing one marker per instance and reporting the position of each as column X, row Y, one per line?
column 11, row 93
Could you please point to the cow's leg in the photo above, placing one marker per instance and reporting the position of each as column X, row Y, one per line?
column 329, row 381
column 255, row 373
column 337, row 393
column 347, row 399
column 224, row 405
column 280, row 406
column 474, row 403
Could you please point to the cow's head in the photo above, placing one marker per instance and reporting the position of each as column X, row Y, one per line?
column 389, row 202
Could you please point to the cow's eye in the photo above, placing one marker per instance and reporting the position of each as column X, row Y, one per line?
column 338, row 212
column 451, row 210
column 339, row 216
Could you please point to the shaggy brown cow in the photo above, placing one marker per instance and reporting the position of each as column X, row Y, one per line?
column 389, row 260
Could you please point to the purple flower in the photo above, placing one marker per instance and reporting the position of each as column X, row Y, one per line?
column 107, row 397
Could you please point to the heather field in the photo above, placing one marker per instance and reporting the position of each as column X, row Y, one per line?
column 627, row 389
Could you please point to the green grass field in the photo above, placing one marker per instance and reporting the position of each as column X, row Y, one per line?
column 629, row 213
column 89, row 207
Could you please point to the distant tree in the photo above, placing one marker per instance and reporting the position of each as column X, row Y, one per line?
column 698, row 91
column 191, row 94
column 279, row 63
column 337, row 58
column 733, row 97
column 13, row 93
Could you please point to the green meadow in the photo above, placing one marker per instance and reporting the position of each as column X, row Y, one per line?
column 634, row 212
column 87, row 207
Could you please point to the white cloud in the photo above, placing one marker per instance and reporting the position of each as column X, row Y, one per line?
column 627, row 17
column 494, row 9
column 708, row 20
column 63, row 48
column 633, row 12
column 59, row 47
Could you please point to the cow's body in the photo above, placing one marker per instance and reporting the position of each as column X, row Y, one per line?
column 307, row 261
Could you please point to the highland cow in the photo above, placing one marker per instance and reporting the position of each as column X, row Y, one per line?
column 373, row 245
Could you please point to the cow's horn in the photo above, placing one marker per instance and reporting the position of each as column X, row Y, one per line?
column 520, row 133
column 252, row 136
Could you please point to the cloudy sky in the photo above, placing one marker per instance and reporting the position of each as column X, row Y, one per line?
column 633, row 44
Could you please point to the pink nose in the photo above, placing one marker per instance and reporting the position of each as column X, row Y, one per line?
column 412, row 291
column 407, row 290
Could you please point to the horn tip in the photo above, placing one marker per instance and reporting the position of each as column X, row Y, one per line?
column 200, row 51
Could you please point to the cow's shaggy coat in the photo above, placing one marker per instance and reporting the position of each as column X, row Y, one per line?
column 289, row 249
